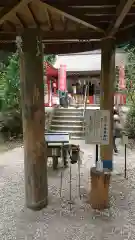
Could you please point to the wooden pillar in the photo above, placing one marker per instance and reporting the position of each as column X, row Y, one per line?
column 107, row 93
column 32, row 92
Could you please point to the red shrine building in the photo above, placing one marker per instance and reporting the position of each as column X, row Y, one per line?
column 82, row 68
column 51, row 85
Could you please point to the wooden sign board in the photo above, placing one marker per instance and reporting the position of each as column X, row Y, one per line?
column 97, row 130
column 125, row 139
column 57, row 137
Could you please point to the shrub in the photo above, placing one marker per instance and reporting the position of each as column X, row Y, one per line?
column 130, row 123
column 10, row 125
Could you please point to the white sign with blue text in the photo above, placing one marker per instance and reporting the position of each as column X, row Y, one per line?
column 97, row 128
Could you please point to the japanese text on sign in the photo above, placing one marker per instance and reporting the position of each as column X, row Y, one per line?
column 97, row 128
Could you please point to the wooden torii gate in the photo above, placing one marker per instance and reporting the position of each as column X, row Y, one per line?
column 53, row 27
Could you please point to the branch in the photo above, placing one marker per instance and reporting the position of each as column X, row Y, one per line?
column 131, row 94
column 121, row 12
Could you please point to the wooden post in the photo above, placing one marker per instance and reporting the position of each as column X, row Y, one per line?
column 107, row 94
column 99, row 195
column 32, row 93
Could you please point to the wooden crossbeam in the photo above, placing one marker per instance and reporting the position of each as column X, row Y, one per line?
column 5, row 3
column 71, row 17
column 49, row 19
column 84, row 3
column 87, row 10
column 72, row 36
column 21, row 20
column 127, row 26
column 33, row 15
column 58, row 35
column 67, row 47
column 70, row 47
column 64, row 22
column 11, row 25
column 57, row 48
column 13, row 7
column 125, row 35
column 121, row 12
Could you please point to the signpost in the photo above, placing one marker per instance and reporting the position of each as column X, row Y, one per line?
column 97, row 129
column 125, row 142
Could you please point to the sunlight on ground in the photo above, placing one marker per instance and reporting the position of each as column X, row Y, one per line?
column 9, row 145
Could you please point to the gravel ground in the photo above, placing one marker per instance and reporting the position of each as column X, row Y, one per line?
column 57, row 221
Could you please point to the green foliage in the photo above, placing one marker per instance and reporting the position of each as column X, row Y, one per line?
column 10, row 82
column 10, row 121
column 130, row 74
column 130, row 90
column 10, row 85
column 10, row 107
column 130, row 123
column 4, row 59
column 50, row 58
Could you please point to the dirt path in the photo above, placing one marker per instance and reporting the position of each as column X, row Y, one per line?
column 56, row 221
column 9, row 145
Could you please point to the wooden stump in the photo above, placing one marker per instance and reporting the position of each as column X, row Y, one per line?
column 99, row 195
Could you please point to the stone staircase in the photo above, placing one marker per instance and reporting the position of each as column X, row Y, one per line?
column 97, row 99
column 68, row 120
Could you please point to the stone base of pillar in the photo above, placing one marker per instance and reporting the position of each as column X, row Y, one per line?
column 37, row 206
column 99, row 195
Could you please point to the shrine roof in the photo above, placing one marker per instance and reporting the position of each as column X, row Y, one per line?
column 90, row 61
column 68, row 25
column 50, row 70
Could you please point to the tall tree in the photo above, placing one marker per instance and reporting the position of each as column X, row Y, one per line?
column 50, row 58
column 130, row 73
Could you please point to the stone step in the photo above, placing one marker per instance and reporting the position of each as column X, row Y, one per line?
column 70, row 110
column 68, row 120
column 65, row 122
column 66, row 113
column 67, row 128
column 68, row 117
column 80, row 106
